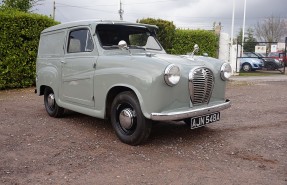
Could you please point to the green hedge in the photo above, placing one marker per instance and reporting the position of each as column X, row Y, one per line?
column 166, row 31
column 19, row 38
column 184, row 41
column 177, row 41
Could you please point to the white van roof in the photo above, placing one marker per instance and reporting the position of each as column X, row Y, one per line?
column 95, row 22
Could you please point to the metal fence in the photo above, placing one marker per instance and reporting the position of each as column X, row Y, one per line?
column 263, row 56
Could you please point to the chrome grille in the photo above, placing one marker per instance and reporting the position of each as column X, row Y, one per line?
column 200, row 85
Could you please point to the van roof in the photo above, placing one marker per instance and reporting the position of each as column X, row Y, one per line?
column 95, row 22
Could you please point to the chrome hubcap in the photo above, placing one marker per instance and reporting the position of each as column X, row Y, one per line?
column 51, row 100
column 246, row 68
column 126, row 118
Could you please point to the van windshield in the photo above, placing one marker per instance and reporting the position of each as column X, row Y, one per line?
column 136, row 37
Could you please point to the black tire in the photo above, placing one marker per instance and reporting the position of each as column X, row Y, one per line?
column 51, row 105
column 246, row 67
column 127, row 119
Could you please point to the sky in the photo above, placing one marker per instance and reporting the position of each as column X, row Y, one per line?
column 185, row 14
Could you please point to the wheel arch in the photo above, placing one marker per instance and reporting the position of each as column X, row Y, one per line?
column 247, row 63
column 47, row 77
column 42, row 89
column 113, row 92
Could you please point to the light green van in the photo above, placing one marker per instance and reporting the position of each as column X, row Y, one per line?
column 119, row 71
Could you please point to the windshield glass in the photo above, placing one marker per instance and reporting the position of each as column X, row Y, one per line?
column 136, row 37
column 261, row 54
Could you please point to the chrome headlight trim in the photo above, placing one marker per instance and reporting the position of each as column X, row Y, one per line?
column 172, row 75
column 225, row 71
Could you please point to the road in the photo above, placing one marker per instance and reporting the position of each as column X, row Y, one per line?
column 248, row 145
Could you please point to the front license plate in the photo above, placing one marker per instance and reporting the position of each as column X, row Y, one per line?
column 204, row 120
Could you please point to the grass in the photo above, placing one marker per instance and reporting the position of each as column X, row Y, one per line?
column 260, row 73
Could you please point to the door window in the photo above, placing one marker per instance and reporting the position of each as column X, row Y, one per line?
column 80, row 41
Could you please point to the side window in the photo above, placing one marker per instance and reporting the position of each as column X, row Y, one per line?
column 253, row 55
column 80, row 41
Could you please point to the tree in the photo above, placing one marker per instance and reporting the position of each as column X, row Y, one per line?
column 165, row 33
column 21, row 5
column 271, row 29
column 249, row 40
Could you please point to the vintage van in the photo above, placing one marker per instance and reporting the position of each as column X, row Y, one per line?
column 119, row 71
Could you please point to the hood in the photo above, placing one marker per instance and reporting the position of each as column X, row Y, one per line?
column 177, row 60
column 185, row 61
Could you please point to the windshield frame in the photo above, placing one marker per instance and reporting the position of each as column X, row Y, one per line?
column 122, row 30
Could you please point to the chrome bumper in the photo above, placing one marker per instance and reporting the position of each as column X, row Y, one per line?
column 190, row 113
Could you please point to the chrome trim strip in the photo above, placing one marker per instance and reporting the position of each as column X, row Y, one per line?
column 190, row 113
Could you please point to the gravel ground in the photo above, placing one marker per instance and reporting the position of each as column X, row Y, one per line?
column 248, row 145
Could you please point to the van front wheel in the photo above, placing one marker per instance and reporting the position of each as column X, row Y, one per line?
column 51, row 105
column 128, row 121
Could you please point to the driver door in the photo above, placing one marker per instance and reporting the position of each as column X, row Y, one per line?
column 78, row 68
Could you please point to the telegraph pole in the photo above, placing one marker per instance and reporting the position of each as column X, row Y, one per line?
column 54, row 10
column 232, row 23
column 121, row 11
column 243, row 28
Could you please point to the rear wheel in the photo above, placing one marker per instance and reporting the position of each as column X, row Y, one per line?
column 128, row 121
column 51, row 105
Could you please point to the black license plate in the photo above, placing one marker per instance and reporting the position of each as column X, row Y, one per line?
column 204, row 120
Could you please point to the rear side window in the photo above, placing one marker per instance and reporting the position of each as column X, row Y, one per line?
column 80, row 41
column 51, row 44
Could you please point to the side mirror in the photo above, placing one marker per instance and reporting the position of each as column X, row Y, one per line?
column 123, row 44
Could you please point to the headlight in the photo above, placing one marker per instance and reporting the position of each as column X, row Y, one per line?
column 277, row 61
column 171, row 75
column 225, row 71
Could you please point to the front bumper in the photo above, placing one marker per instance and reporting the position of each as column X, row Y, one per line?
column 179, row 115
column 257, row 67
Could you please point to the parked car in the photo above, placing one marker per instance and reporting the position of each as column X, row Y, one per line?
column 269, row 63
column 279, row 56
column 250, row 64
column 119, row 71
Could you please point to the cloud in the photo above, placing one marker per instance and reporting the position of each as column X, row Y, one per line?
column 196, row 14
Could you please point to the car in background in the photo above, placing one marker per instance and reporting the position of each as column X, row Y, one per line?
column 269, row 63
column 250, row 64
column 279, row 56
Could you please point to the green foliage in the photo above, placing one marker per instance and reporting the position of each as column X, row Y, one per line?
column 249, row 41
column 21, row 5
column 185, row 40
column 19, row 38
column 138, row 39
column 165, row 33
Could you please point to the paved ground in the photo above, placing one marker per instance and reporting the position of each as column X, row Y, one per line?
column 248, row 146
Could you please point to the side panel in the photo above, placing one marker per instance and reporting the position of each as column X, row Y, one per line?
column 48, row 66
column 77, row 79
